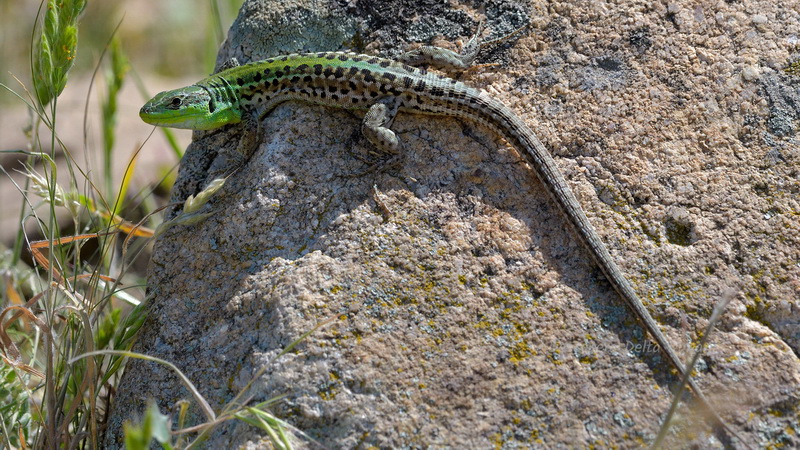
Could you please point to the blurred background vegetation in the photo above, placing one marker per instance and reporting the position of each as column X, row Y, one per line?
column 82, row 184
column 165, row 44
column 158, row 45
column 173, row 38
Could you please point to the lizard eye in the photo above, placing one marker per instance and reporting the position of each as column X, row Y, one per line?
column 176, row 101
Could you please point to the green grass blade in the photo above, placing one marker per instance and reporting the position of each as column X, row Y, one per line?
column 115, row 76
column 54, row 52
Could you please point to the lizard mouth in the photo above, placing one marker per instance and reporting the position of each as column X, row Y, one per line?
column 153, row 116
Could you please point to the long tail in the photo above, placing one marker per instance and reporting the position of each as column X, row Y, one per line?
column 522, row 137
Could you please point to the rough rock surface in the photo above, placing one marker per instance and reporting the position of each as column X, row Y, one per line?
column 464, row 312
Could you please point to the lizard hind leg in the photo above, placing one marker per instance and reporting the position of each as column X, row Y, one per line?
column 228, row 64
column 445, row 59
column 451, row 61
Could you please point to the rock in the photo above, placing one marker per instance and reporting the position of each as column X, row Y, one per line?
column 460, row 309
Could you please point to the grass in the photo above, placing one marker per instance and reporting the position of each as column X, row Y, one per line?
column 73, row 299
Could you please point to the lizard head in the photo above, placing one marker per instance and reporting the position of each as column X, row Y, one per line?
column 190, row 107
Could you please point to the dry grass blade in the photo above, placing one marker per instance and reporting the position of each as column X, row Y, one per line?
column 234, row 403
column 87, row 383
column 37, row 254
column 21, row 438
column 11, row 354
column 8, row 346
column 22, row 366
column 11, row 293
column 204, row 406
column 716, row 314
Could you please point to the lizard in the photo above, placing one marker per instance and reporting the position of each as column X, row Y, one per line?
column 385, row 87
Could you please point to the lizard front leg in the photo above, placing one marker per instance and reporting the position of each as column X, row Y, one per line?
column 376, row 128
column 228, row 162
column 376, row 125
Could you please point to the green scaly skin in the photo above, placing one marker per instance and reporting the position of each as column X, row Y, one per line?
column 351, row 81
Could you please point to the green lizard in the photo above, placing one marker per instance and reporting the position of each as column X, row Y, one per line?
column 383, row 87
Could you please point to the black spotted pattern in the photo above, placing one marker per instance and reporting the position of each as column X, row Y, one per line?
column 345, row 80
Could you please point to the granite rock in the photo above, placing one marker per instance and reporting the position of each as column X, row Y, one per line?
column 461, row 310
